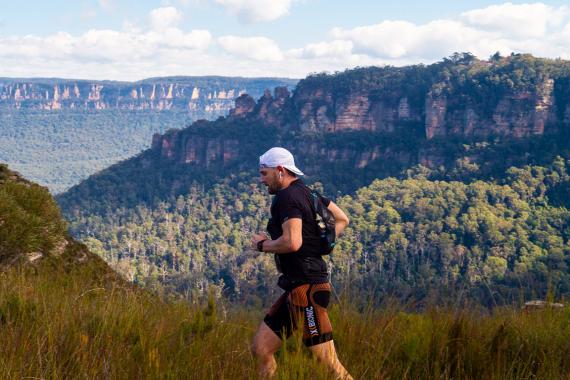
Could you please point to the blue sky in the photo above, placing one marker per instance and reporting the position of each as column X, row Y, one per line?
column 129, row 40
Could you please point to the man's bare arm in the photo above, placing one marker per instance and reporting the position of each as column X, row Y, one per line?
column 289, row 242
column 340, row 218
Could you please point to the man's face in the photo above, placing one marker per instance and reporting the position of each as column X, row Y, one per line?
column 270, row 178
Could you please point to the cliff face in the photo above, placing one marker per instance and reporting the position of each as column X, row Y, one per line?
column 164, row 96
column 211, row 94
column 517, row 114
column 197, row 150
column 466, row 100
column 275, row 110
column 362, row 109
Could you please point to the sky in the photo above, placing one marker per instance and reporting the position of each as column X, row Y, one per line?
column 136, row 39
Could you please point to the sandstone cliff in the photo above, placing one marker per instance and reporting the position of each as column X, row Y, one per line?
column 465, row 100
column 445, row 109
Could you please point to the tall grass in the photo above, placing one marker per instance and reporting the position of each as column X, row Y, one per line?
column 68, row 326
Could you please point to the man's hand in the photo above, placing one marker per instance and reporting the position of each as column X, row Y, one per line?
column 257, row 238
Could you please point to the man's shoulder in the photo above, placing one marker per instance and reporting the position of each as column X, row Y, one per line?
column 297, row 191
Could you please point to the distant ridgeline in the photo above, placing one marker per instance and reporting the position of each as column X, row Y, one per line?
column 206, row 95
column 58, row 131
column 180, row 211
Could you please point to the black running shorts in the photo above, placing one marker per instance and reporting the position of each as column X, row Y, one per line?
column 306, row 304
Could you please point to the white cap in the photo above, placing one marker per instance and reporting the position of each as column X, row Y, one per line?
column 279, row 157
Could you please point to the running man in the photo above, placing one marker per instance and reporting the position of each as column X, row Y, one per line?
column 294, row 241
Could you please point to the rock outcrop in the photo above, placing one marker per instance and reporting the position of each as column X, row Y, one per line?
column 517, row 114
column 184, row 148
column 244, row 105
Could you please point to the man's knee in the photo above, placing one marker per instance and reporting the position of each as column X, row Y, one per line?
column 257, row 348
column 265, row 342
column 260, row 349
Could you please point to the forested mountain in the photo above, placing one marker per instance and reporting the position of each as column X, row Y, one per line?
column 463, row 213
column 59, row 131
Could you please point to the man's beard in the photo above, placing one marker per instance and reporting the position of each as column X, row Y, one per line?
column 273, row 189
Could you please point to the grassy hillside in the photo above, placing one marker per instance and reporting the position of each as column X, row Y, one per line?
column 33, row 234
column 71, row 325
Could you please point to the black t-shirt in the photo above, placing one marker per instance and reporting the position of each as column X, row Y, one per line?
column 305, row 265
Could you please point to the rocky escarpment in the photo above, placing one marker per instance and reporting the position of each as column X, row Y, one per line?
column 519, row 113
column 444, row 109
column 463, row 99
column 428, row 126
column 184, row 149
column 210, row 94
column 326, row 110
column 183, row 146
column 514, row 97
column 197, row 146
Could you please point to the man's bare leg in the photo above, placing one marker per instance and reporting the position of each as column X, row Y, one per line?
column 265, row 344
column 326, row 353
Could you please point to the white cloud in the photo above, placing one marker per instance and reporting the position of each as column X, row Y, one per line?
column 164, row 18
column 256, row 48
column 162, row 47
column 522, row 20
column 389, row 39
column 132, row 53
column 533, row 28
column 332, row 49
column 257, row 10
column 400, row 39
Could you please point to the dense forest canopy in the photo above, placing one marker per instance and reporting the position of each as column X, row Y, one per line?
column 409, row 237
column 60, row 148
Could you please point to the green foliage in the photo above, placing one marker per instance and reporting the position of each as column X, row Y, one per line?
column 30, row 220
column 490, row 241
column 414, row 237
column 188, row 242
